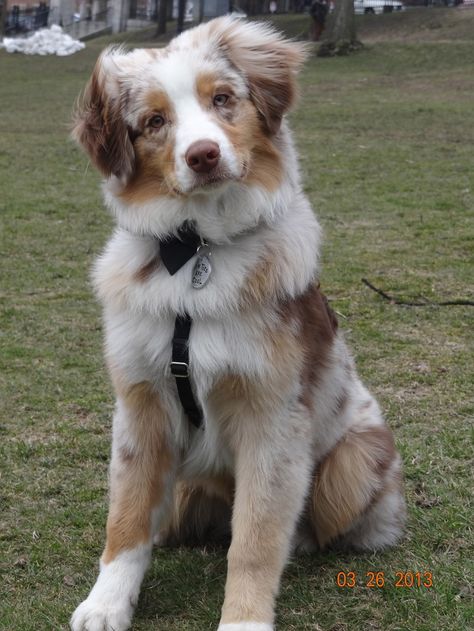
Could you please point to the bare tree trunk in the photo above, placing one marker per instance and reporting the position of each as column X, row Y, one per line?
column 162, row 16
column 340, row 36
column 181, row 10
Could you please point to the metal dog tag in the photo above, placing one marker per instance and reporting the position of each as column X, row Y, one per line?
column 202, row 269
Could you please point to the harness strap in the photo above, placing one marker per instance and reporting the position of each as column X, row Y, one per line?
column 180, row 369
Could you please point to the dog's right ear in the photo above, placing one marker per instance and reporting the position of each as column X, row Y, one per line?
column 98, row 123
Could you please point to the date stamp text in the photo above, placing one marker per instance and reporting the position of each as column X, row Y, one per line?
column 374, row 580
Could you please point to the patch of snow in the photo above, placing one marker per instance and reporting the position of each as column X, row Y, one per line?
column 46, row 41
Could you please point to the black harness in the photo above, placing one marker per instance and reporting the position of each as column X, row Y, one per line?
column 175, row 252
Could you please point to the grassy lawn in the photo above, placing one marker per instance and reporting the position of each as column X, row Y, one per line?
column 386, row 138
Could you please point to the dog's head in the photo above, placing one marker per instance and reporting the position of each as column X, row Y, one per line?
column 193, row 117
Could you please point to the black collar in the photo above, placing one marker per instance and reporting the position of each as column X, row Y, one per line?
column 175, row 251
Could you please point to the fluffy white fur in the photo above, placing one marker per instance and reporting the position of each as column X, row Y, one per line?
column 274, row 451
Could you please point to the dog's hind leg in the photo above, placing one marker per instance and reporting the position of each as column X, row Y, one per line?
column 141, row 481
column 201, row 514
column 357, row 497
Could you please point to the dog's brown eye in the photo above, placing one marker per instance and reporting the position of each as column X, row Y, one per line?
column 220, row 100
column 156, row 121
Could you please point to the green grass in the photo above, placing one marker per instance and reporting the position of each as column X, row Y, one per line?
column 386, row 141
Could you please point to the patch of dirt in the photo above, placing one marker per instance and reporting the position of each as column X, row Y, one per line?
column 423, row 500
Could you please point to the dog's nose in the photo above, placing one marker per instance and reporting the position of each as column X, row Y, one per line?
column 202, row 156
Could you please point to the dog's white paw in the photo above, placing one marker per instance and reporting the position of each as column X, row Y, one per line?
column 110, row 604
column 94, row 615
column 246, row 626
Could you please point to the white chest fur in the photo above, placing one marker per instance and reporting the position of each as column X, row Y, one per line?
column 291, row 242
column 141, row 345
column 225, row 340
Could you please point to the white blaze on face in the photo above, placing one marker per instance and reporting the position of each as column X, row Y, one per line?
column 193, row 122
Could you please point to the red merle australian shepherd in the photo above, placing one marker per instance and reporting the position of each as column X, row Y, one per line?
column 238, row 406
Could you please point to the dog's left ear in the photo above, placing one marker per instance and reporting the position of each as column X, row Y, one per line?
column 98, row 123
column 269, row 62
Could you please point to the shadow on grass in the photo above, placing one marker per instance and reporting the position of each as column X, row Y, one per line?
column 185, row 586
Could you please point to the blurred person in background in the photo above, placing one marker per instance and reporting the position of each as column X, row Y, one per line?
column 318, row 12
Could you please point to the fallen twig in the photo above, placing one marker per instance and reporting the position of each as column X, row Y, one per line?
column 409, row 303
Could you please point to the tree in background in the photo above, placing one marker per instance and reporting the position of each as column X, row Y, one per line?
column 181, row 12
column 162, row 14
column 340, row 37
column 250, row 7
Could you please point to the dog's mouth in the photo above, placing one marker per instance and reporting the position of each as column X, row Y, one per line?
column 218, row 178
column 212, row 180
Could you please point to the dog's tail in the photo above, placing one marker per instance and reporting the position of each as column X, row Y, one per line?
column 357, row 495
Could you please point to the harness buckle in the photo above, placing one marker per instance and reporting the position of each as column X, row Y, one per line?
column 180, row 370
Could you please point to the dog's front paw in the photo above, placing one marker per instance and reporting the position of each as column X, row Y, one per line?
column 94, row 615
column 246, row 626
